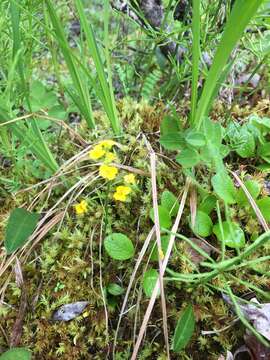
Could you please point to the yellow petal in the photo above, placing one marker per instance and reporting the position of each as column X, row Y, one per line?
column 130, row 179
column 97, row 152
column 108, row 172
column 107, row 144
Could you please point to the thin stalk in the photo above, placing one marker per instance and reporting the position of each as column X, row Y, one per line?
column 195, row 57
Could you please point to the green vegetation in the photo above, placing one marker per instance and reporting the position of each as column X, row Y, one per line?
column 134, row 178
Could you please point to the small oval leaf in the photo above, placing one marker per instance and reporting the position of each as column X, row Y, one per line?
column 164, row 217
column 234, row 236
column 115, row 289
column 119, row 246
column 184, row 329
column 264, row 206
column 188, row 158
column 16, row 354
column 203, row 224
column 149, row 281
column 224, row 187
column 254, row 189
column 170, row 202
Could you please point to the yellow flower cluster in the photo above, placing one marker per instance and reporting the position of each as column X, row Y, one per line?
column 121, row 193
column 103, row 151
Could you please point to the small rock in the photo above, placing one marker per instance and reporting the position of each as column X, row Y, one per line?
column 69, row 311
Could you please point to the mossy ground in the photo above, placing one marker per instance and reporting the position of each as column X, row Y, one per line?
column 70, row 264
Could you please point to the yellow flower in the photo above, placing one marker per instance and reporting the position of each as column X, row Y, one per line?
column 97, row 152
column 81, row 208
column 130, row 179
column 108, row 172
column 107, row 144
column 161, row 254
column 110, row 156
column 121, row 193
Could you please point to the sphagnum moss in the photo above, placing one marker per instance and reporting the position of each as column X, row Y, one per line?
column 65, row 267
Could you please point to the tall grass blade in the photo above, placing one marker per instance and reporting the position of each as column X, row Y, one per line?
column 41, row 150
column 80, row 84
column 239, row 18
column 105, row 82
column 15, row 23
column 26, row 135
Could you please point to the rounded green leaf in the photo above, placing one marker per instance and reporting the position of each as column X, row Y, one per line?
column 188, row 158
column 234, row 236
column 149, row 281
column 224, row 187
column 195, row 139
column 119, row 246
column 203, row 224
column 254, row 189
column 264, row 206
column 208, row 203
column 184, row 329
column 173, row 141
column 170, row 202
column 170, row 125
column 164, row 217
column 115, row 289
column 16, row 354
column 21, row 224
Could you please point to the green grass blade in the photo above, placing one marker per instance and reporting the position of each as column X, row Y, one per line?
column 79, row 82
column 239, row 18
column 36, row 136
column 195, row 56
column 16, row 37
column 106, row 85
column 29, row 137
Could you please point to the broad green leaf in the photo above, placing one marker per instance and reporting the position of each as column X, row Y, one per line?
column 173, row 141
column 224, row 187
column 208, row 204
column 195, row 138
column 16, row 354
column 149, row 281
column 119, row 246
column 164, row 217
column 164, row 246
column 37, row 89
column 260, row 122
column 213, row 132
column 115, row 289
column 170, row 202
column 246, row 144
column 234, row 236
column 170, row 125
column 203, row 224
column 57, row 112
column 264, row 150
column 264, row 167
column 184, row 329
column 254, row 189
column 264, row 206
column 188, row 158
column 21, row 224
